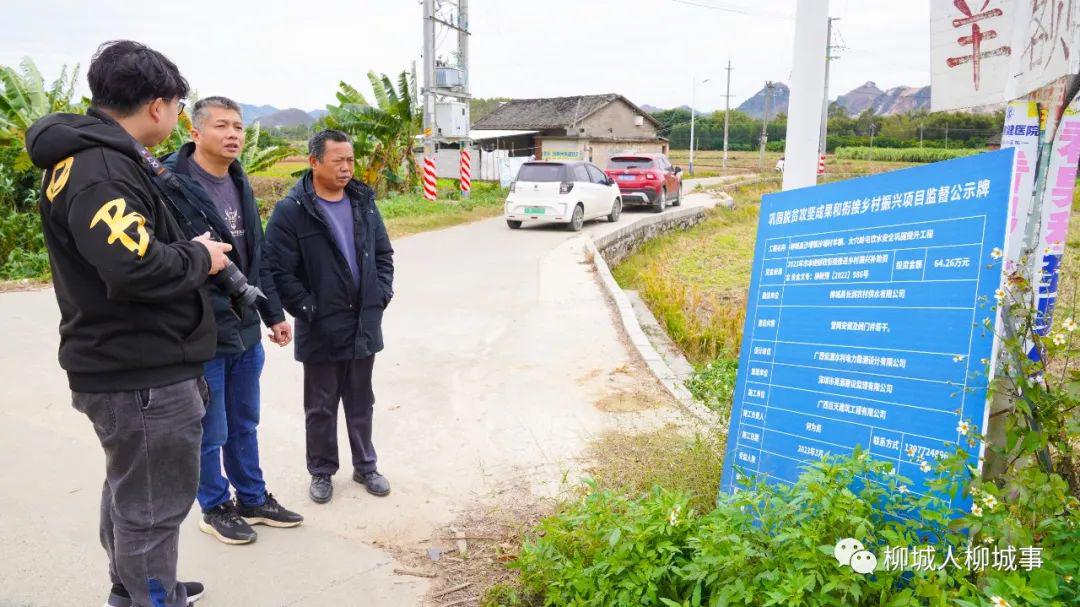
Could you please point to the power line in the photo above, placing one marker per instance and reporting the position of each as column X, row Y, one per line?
column 730, row 9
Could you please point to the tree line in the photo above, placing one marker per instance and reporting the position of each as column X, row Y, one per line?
column 915, row 129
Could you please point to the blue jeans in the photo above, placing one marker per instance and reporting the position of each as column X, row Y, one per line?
column 230, row 430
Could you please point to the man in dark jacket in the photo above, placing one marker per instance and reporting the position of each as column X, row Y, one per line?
column 135, row 327
column 333, row 267
column 212, row 194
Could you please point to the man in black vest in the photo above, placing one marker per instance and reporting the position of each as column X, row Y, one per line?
column 135, row 326
column 212, row 193
column 333, row 267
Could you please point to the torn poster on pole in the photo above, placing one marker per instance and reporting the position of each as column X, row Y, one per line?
column 1022, row 127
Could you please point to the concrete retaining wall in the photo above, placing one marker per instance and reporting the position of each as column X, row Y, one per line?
column 622, row 243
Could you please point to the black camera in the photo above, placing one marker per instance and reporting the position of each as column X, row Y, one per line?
column 234, row 284
column 230, row 279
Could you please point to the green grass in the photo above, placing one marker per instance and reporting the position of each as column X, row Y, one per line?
column 904, row 154
column 285, row 168
column 407, row 214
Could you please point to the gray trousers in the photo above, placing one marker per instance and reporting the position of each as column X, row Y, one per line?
column 151, row 440
column 325, row 385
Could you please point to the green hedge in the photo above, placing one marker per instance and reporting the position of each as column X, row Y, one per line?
column 903, row 154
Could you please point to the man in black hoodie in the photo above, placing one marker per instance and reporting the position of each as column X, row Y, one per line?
column 135, row 327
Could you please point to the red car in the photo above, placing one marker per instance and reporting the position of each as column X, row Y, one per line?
column 647, row 179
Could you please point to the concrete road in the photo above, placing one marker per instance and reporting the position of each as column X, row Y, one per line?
column 499, row 345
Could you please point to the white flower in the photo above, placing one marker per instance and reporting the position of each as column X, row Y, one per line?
column 958, row 358
column 996, row 253
column 976, row 510
column 999, row 295
column 911, row 450
column 990, row 502
column 902, row 489
column 924, row 466
column 1069, row 325
column 963, row 427
column 986, row 322
column 1059, row 339
column 999, row 602
column 673, row 517
column 988, row 540
column 1068, row 579
column 985, row 362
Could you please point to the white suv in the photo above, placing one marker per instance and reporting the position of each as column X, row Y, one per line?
column 561, row 192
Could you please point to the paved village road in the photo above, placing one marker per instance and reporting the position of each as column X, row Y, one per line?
column 499, row 345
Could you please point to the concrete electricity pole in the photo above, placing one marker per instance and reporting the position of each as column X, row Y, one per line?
column 727, row 110
column 825, row 103
column 765, row 125
column 432, row 90
column 429, row 78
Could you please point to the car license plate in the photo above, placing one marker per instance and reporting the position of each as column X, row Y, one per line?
column 535, row 210
column 627, row 177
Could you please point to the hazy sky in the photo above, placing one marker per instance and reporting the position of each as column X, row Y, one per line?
column 289, row 53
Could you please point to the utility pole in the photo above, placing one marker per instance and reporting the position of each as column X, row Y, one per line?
column 429, row 78
column 765, row 126
column 693, row 112
column 825, row 103
column 727, row 110
column 450, row 87
column 463, row 60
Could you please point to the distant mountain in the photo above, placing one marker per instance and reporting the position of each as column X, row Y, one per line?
column 251, row 113
column 755, row 106
column 902, row 100
column 287, row 117
column 652, row 109
column 859, row 98
column 270, row 116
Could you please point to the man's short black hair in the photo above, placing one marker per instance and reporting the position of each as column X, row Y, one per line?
column 317, row 143
column 124, row 75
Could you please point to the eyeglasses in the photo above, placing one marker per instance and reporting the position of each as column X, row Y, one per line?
column 180, row 105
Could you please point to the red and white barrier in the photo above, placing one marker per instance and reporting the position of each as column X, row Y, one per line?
column 821, row 164
column 431, row 190
column 466, row 171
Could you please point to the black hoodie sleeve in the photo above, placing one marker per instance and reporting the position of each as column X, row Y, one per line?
column 282, row 260
column 112, row 229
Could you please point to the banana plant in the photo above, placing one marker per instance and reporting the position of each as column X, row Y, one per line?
column 24, row 99
column 383, row 134
column 255, row 158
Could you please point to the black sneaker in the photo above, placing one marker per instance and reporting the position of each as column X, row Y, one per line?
column 269, row 513
column 375, row 483
column 224, row 523
column 119, row 597
column 322, row 489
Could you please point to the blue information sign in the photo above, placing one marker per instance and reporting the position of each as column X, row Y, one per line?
column 867, row 319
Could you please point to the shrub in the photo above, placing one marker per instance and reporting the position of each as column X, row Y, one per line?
column 773, row 545
column 903, row 154
column 22, row 246
column 714, row 383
